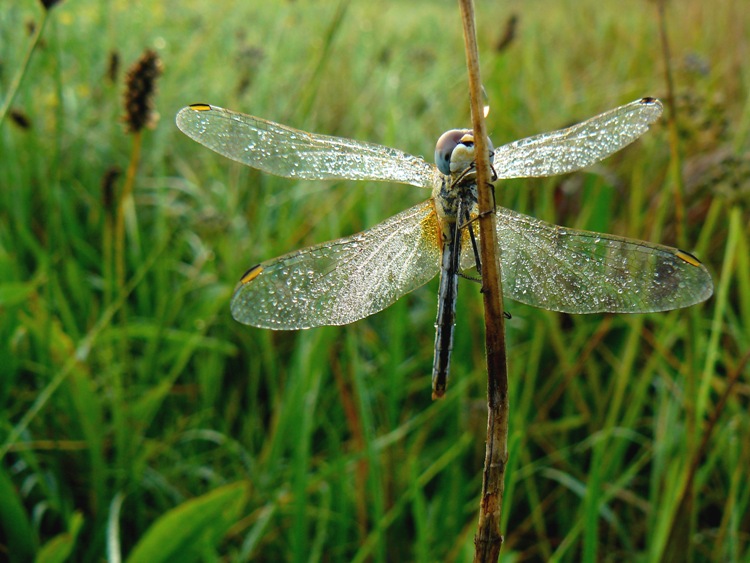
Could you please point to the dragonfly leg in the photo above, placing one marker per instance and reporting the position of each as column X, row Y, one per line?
column 468, row 223
column 494, row 204
column 474, row 247
column 461, row 177
column 470, row 278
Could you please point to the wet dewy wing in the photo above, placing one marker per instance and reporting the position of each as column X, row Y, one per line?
column 341, row 281
column 578, row 146
column 284, row 151
column 574, row 271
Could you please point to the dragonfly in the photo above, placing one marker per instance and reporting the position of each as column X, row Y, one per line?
column 542, row 264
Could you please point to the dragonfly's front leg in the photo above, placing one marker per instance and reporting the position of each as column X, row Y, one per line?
column 475, row 248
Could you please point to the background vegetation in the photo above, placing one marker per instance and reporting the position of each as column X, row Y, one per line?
column 139, row 420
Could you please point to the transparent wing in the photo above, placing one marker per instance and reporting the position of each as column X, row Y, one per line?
column 578, row 146
column 284, row 151
column 344, row 280
column 573, row 271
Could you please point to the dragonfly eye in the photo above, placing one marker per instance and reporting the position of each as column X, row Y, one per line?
column 446, row 144
column 454, row 151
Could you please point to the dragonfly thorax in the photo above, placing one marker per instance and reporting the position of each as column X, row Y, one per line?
column 454, row 157
column 453, row 195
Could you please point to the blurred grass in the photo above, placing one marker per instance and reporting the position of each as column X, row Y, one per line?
column 332, row 431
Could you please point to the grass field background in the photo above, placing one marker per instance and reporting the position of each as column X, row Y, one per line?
column 140, row 421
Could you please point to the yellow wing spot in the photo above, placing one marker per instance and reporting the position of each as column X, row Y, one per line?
column 200, row 107
column 431, row 229
column 251, row 274
column 689, row 258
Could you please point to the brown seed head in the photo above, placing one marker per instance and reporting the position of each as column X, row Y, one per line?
column 140, row 89
column 49, row 4
column 113, row 66
column 20, row 119
column 108, row 187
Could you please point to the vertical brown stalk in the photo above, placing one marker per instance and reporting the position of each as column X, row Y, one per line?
column 125, row 201
column 140, row 89
column 15, row 84
column 488, row 539
column 109, row 199
column 674, row 148
column 678, row 546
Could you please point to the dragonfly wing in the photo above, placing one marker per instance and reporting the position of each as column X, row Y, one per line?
column 574, row 271
column 344, row 280
column 284, row 151
column 578, row 146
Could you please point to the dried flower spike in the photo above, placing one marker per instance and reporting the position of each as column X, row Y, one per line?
column 113, row 66
column 49, row 4
column 140, row 88
column 20, row 119
column 108, row 187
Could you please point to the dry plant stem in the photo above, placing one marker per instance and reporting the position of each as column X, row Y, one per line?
column 123, row 202
column 118, row 383
column 676, row 159
column 686, row 495
column 678, row 546
column 354, row 423
column 488, row 539
column 18, row 78
column 107, row 238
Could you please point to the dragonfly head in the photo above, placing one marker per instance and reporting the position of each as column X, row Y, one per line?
column 454, row 151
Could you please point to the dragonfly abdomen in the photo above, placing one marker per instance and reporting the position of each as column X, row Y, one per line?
column 465, row 201
column 446, row 317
